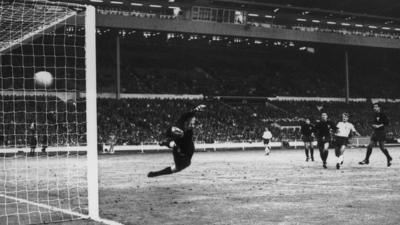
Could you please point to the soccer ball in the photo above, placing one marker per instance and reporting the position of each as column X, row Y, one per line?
column 43, row 78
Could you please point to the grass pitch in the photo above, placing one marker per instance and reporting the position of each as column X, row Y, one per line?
column 241, row 187
column 247, row 187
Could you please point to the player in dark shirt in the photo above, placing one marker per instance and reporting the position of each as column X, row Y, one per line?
column 307, row 137
column 44, row 143
column 180, row 139
column 379, row 135
column 32, row 144
column 323, row 131
column 32, row 141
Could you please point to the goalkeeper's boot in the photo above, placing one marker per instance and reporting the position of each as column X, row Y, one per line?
column 389, row 161
column 151, row 174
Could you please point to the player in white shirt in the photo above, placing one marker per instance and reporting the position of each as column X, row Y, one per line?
column 267, row 135
column 112, row 142
column 342, row 137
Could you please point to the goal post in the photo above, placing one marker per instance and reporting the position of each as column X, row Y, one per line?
column 48, row 125
column 91, row 112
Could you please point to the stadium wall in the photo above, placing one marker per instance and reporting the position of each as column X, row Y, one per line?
column 355, row 142
column 65, row 96
column 146, row 96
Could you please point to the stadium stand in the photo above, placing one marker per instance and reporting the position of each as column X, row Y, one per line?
column 57, row 120
column 219, row 68
column 365, row 27
column 143, row 121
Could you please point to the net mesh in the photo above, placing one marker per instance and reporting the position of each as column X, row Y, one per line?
column 42, row 127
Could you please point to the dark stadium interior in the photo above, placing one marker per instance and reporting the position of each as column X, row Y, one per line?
column 245, row 69
column 214, row 65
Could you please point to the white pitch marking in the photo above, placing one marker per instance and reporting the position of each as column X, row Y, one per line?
column 105, row 221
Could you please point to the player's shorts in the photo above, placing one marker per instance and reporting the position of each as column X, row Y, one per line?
column 321, row 141
column 182, row 160
column 340, row 141
column 378, row 136
column 324, row 139
column 307, row 139
column 266, row 141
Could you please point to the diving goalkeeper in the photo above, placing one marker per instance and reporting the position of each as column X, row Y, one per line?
column 180, row 139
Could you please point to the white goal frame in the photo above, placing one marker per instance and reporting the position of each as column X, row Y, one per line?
column 91, row 117
column 91, row 113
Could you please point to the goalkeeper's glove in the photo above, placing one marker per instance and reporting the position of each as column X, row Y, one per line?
column 199, row 108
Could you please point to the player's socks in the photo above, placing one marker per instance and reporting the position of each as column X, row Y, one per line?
column 312, row 154
column 321, row 154
column 325, row 156
column 306, row 150
column 267, row 151
column 165, row 171
column 388, row 157
column 340, row 159
column 368, row 154
column 326, row 153
column 386, row 152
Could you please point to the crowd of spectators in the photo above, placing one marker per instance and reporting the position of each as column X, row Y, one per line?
column 135, row 13
column 160, row 68
column 337, row 30
column 57, row 122
column 344, row 31
column 143, row 121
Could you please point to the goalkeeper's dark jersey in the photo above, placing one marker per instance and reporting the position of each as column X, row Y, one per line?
column 185, row 143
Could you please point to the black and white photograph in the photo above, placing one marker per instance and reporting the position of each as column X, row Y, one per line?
column 195, row 112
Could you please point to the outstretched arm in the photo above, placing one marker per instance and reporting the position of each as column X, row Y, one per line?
column 353, row 129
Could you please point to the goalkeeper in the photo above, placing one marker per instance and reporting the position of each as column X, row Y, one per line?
column 180, row 139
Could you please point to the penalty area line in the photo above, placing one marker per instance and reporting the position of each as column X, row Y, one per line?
column 82, row 216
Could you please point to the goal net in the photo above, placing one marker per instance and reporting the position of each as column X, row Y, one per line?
column 47, row 112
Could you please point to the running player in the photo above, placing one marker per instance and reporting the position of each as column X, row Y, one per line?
column 323, row 131
column 267, row 135
column 345, row 128
column 307, row 137
column 379, row 135
column 180, row 139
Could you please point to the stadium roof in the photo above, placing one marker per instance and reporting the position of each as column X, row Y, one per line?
column 386, row 8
